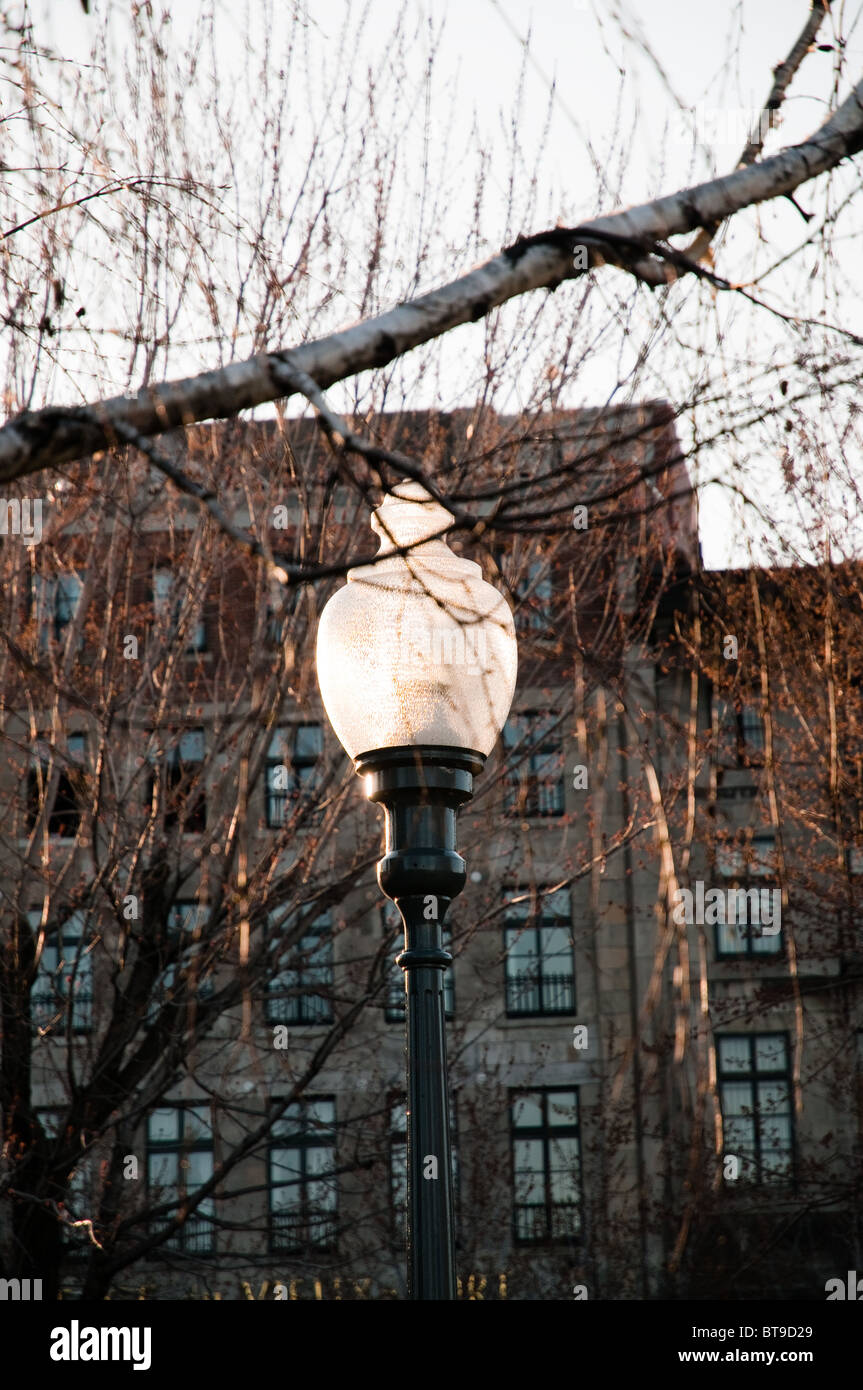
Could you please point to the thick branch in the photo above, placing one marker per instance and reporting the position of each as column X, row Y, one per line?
column 42, row 438
column 782, row 75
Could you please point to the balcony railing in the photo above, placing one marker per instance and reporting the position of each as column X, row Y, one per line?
column 298, row 1008
column 292, row 1231
column 194, row 1237
column 535, row 1221
column 540, row 994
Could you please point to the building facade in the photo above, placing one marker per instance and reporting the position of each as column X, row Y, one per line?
column 654, row 1009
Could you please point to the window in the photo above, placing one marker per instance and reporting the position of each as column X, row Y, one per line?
column 281, row 603
column 534, row 606
column 82, row 1196
column 345, row 506
column 168, row 608
column 275, row 623
column 752, row 912
column 65, row 972
column 755, row 860
column 532, row 590
column 56, row 598
column 179, row 1162
column 756, row 928
column 540, row 971
column 740, row 729
column 185, row 800
column 534, row 765
column 301, row 992
column 394, row 1011
column 751, row 729
column 546, row 1162
column 64, row 817
column 303, row 1186
column 399, row 1163
column 755, row 1097
column 185, row 917
column 399, row 1166
column 293, row 768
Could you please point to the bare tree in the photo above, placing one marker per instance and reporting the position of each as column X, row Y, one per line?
column 139, row 233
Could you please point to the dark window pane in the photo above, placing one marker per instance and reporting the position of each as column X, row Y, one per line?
column 534, row 765
column 752, row 727
column 755, row 1098
column 65, row 975
column 185, row 799
column 293, row 770
column 168, row 597
column 539, row 966
column 179, row 1162
column 546, row 1162
column 301, row 991
column 302, row 1183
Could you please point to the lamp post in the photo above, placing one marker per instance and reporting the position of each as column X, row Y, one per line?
column 417, row 663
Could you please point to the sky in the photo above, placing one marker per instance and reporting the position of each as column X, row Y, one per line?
column 647, row 122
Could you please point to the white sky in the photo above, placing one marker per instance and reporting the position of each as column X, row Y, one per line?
column 579, row 49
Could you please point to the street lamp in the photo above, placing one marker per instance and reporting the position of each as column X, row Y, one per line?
column 417, row 664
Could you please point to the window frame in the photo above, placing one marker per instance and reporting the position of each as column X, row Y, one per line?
column 545, row 1133
column 56, row 940
column 75, row 1240
column 201, row 1239
column 298, row 788
column 536, row 923
column 319, row 927
column 174, row 770
column 535, row 598
column 524, row 791
column 753, row 1077
column 71, row 811
column 179, row 971
column 50, row 600
column 532, row 589
column 749, row 872
column 167, row 608
column 735, row 748
column 302, row 1141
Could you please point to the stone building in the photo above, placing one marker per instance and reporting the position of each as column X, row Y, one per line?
column 654, row 1007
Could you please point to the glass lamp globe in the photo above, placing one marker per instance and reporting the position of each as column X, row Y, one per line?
column 417, row 648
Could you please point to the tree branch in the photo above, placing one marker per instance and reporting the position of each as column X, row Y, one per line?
column 38, row 439
column 782, row 75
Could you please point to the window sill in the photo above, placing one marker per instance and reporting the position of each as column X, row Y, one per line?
column 545, row 1016
column 746, row 958
column 300, row 1023
column 547, row 1242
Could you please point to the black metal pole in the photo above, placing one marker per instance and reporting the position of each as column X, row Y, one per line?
column 430, row 1219
column 421, row 789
